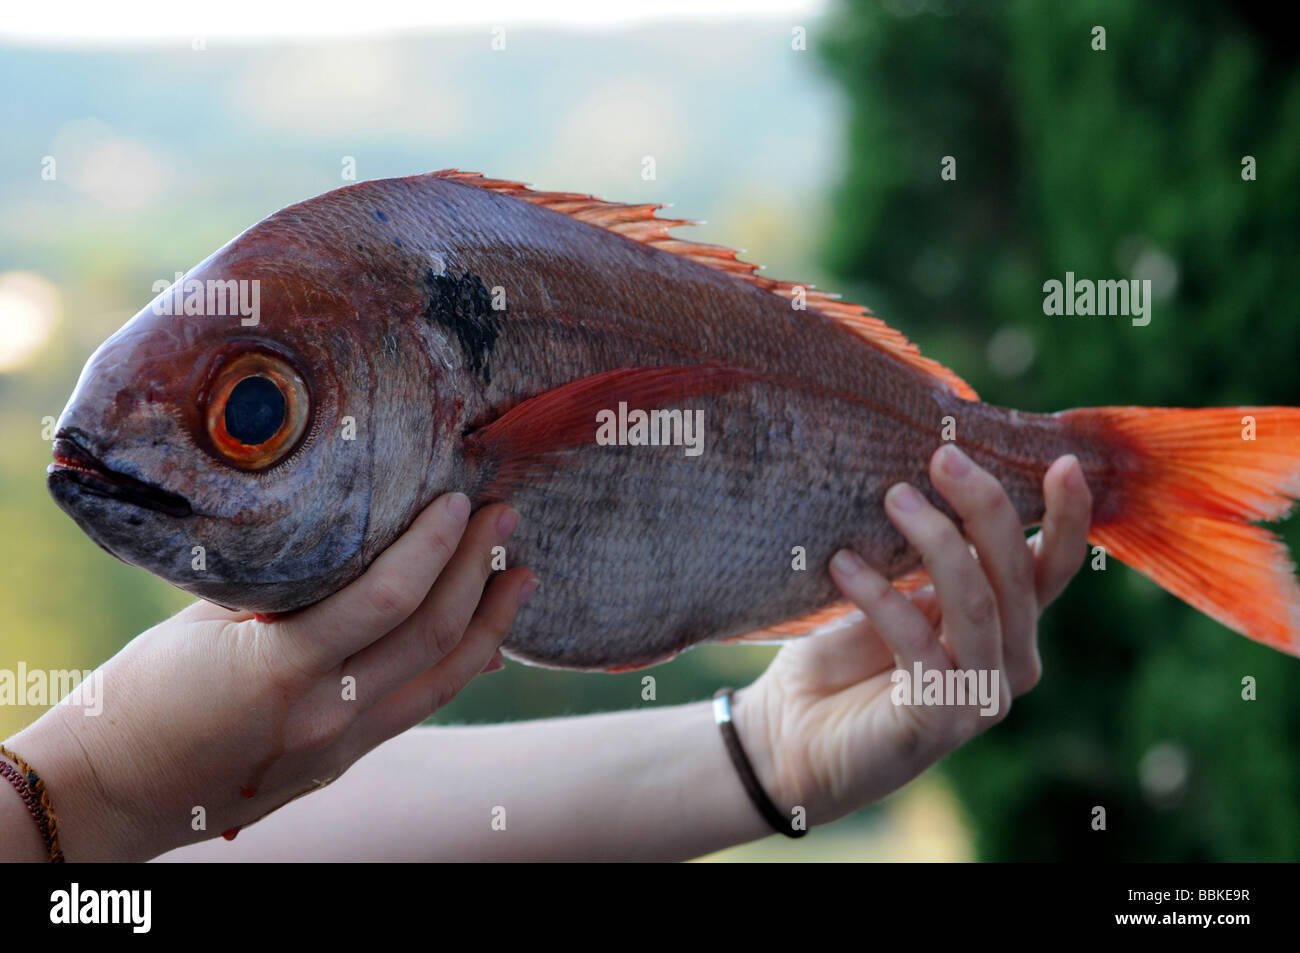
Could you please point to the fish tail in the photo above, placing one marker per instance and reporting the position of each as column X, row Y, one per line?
column 1179, row 501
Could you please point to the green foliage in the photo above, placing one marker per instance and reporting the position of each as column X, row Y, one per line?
column 1101, row 163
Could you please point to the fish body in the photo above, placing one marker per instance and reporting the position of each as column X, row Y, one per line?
column 448, row 332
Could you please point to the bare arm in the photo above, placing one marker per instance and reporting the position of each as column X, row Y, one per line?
column 643, row 785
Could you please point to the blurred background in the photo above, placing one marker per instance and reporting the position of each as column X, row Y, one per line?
column 810, row 133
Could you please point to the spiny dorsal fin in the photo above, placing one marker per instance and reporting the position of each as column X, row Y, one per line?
column 639, row 223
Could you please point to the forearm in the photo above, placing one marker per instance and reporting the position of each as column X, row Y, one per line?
column 645, row 785
column 92, row 825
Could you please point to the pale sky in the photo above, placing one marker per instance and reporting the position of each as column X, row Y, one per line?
column 78, row 22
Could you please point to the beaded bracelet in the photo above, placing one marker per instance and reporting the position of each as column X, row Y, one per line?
column 31, row 788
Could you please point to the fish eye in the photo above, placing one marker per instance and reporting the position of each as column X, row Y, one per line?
column 256, row 410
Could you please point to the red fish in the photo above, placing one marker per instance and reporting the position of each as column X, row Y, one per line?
column 670, row 425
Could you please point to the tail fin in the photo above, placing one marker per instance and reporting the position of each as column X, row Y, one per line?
column 1186, row 486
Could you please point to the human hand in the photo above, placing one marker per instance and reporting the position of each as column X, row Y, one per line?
column 821, row 724
column 235, row 715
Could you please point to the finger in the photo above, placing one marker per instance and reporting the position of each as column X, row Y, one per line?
column 970, row 610
column 844, row 653
column 497, row 663
column 436, row 627
column 203, row 611
column 1063, row 544
column 389, row 591
column 421, row 697
column 990, row 522
column 899, row 623
column 926, row 600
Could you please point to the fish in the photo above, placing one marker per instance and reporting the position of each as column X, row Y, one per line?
column 687, row 441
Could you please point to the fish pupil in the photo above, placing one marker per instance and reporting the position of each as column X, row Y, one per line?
column 254, row 411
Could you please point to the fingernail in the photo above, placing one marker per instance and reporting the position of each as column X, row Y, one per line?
column 458, row 507
column 496, row 665
column 506, row 524
column 955, row 463
column 847, row 563
column 1074, row 481
column 903, row 498
column 528, row 588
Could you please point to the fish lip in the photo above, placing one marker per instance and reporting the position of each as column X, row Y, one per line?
column 73, row 463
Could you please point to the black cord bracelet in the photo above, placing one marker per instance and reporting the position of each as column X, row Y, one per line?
column 722, row 715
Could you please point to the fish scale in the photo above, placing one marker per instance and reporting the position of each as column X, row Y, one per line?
column 452, row 332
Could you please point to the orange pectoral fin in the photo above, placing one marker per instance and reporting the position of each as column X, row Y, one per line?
column 531, row 434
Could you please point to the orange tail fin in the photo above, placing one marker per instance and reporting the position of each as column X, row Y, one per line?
column 1186, row 487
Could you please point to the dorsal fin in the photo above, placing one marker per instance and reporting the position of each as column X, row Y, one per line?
column 639, row 223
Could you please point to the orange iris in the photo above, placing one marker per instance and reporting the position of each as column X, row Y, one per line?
column 256, row 410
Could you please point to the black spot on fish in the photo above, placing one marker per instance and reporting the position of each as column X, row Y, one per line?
column 463, row 306
column 380, row 216
column 359, row 246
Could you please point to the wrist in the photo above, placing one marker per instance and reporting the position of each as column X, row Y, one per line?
column 23, row 840
column 757, row 728
column 96, row 822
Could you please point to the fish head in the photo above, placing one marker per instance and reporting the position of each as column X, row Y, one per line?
column 255, row 455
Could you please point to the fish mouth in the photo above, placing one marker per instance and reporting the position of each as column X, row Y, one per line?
column 73, row 463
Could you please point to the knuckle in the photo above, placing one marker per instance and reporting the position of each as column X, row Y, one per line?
column 327, row 725
column 289, row 671
column 443, row 544
column 939, row 535
column 987, row 499
column 386, row 599
column 981, row 607
column 440, row 635
column 873, row 592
